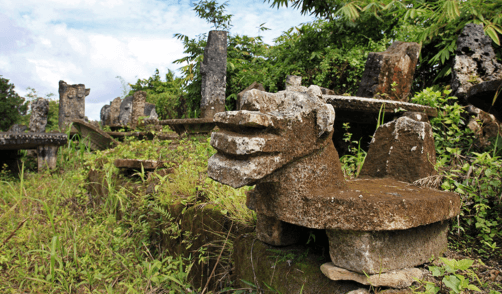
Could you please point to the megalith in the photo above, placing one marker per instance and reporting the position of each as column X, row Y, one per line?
column 389, row 74
column 71, row 103
column 125, row 111
column 39, row 113
column 138, row 107
column 214, row 71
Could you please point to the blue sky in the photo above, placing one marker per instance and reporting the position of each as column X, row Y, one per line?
column 92, row 42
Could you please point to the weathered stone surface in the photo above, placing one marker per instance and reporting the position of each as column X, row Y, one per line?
column 137, row 164
column 150, row 111
column 16, row 128
column 125, row 111
column 254, row 85
column 395, row 65
column 113, row 117
column 474, row 64
column 138, row 107
column 402, row 149
column 71, row 103
column 326, row 91
column 294, row 83
column 214, row 70
column 47, row 156
column 401, row 278
column 105, row 114
column 189, row 125
column 384, row 251
column 259, row 263
column 16, row 141
column 94, row 136
column 367, row 105
column 277, row 233
column 290, row 117
column 38, row 118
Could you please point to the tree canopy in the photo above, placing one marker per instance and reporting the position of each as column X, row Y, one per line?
column 12, row 106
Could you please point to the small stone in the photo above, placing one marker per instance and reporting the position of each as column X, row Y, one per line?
column 254, row 85
column 401, row 278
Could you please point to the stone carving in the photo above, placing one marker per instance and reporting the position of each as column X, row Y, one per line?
column 16, row 128
column 389, row 74
column 488, row 127
column 476, row 74
column 254, row 85
column 150, row 111
column 138, row 107
column 71, row 103
column 282, row 143
column 214, row 71
column 125, row 111
column 38, row 118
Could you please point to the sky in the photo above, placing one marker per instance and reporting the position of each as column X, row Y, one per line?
column 92, row 42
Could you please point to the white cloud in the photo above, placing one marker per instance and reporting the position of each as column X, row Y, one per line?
column 92, row 42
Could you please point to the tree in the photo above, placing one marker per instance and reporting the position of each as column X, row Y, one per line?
column 12, row 106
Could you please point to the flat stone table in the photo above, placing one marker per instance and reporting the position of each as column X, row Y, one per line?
column 46, row 144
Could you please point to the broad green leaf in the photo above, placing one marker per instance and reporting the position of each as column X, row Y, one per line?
column 453, row 283
column 490, row 31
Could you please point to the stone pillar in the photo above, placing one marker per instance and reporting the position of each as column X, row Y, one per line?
column 71, row 103
column 47, row 156
column 214, row 71
column 105, row 114
column 125, row 111
column 114, row 112
column 39, row 113
column 138, row 107
column 389, row 74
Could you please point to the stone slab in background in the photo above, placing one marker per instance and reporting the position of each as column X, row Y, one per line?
column 137, row 164
column 71, row 103
column 98, row 139
column 401, row 278
column 138, row 107
column 395, row 65
column 125, row 111
column 114, row 112
column 16, row 141
column 38, row 117
column 214, row 70
column 254, row 85
column 189, row 125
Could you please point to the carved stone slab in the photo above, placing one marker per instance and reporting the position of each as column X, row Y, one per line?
column 16, row 141
column 98, row 139
column 71, row 103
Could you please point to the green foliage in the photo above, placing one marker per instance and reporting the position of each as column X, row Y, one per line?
column 434, row 24
column 166, row 95
column 12, row 106
column 472, row 171
column 214, row 13
column 453, row 273
column 352, row 162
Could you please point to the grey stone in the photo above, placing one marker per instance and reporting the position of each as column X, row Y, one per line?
column 125, row 111
column 294, row 83
column 402, row 149
column 93, row 136
column 104, row 114
column 396, row 279
column 384, row 251
column 138, row 107
column 150, row 111
column 71, row 103
column 475, row 61
column 113, row 117
column 47, row 156
column 213, row 70
column 395, row 65
column 39, row 113
column 254, row 85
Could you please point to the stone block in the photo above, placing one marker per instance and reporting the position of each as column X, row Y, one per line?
column 384, row 251
column 401, row 278
column 125, row 111
column 277, row 233
column 47, row 156
column 138, row 107
column 113, row 117
column 389, row 74
column 254, row 85
column 38, row 117
column 402, row 149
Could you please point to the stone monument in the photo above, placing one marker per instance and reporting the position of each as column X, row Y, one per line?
column 282, row 144
column 214, row 71
column 39, row 113
column 71, row 103
column 389, row 74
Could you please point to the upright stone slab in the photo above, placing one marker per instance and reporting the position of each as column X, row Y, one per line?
column 104, row 114
column 138, row 107
column 254, row 85
column 214, row 71
column 476, row 74
column 71, row 103
column 389, row 74
column 113, row 117
column 402, row 149
column 125, row 111
column 38, row 118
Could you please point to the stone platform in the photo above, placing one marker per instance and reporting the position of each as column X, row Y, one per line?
column 137, row 164
column 97, row 139
column 189, row 125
